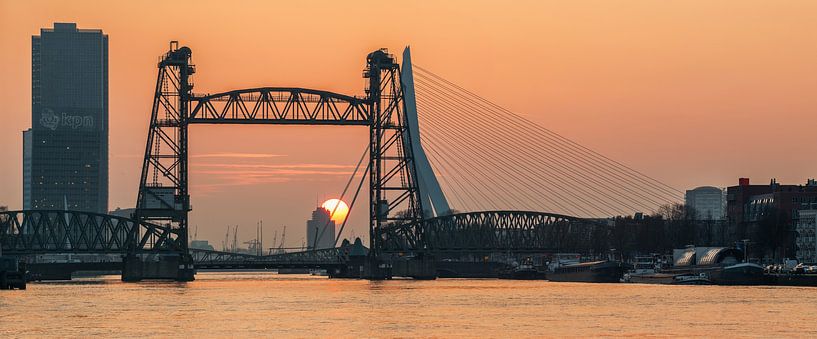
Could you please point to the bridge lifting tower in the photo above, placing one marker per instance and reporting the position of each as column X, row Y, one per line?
column 396, row 207
column 163, row 196
column 394, row 194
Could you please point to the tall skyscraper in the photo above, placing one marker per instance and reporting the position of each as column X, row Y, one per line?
column 68, row 139
column 320, row 230
column 27, row 169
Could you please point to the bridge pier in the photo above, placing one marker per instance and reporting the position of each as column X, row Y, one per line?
column 157, row 267
column 420, row 267
column 376, row 269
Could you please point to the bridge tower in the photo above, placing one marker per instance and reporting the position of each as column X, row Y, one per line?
column 396, row 206
column 163, row 189
column 394, row 195
column 433, row 199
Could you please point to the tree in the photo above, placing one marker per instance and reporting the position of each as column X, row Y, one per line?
column 680, row 223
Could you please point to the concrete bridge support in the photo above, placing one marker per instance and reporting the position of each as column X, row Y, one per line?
column 157, row 267
column 421, row 267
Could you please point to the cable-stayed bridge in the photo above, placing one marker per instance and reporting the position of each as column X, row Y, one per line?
column 449, row 173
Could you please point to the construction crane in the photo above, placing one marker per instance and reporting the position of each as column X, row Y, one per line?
column 280, row 248
column 224, row 244
column 235, row 239
column 283, row 238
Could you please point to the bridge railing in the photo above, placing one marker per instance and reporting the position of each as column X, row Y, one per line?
column 337, row 255
column 59, row 231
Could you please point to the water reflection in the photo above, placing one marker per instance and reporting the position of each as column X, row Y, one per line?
column 252, row 304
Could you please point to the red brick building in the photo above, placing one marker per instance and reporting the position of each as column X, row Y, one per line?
column 747, row 204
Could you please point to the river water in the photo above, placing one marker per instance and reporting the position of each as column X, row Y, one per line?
column 251, row 304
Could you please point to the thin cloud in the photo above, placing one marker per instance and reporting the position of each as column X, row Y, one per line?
column 279, row 166
column 206, row 189
column 291, row 172
column 221, row 176
column 238, row 155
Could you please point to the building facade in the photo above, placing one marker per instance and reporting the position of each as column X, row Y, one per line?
column 27, row 169
column 67, row 165
column 709, row 202
column 748, row 205
column 320, row 230
column 807, row 236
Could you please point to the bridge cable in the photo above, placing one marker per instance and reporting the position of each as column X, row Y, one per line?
column 514, row 183
column 346, row 188
column 464, row 174
column 516, row 200
column 434, row 160
column 623, row 168
column 522, row 154
column 548, row 140
column 498, row 127
column 352, row 204
column 623, row 188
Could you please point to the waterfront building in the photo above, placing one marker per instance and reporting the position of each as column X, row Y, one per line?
column 708, row 202
column 807, row 236
column 320, row 230
column 65, row 157
column 747, row 205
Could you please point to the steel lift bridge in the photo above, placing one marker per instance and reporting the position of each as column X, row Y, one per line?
column 410, row 219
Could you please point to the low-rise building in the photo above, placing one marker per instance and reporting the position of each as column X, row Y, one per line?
column 749, row 206
column 807, row 236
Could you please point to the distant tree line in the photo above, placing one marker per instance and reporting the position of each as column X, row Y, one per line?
column 672, row 226
column 677, row 226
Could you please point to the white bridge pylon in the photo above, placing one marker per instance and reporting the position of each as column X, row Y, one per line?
column 433, row 199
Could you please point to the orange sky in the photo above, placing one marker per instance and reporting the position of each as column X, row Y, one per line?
column 691, row 92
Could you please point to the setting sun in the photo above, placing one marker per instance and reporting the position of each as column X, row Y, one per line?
column 340, row 213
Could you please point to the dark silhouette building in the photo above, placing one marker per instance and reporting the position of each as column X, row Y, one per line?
column 66, row 149
column 320, row 230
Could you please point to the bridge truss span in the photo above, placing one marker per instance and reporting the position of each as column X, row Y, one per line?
column 323, row 258
column 58, row 231
column 501, row 231
column 279, row 105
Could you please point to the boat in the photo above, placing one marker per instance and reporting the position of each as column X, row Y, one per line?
column 524, row 271
column 799, row 275
column 739, row 274
column 691, row 279
column 645, row 271
column 603, row 271
column 649, row 278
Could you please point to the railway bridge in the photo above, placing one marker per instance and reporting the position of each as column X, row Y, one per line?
column 411, row 221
